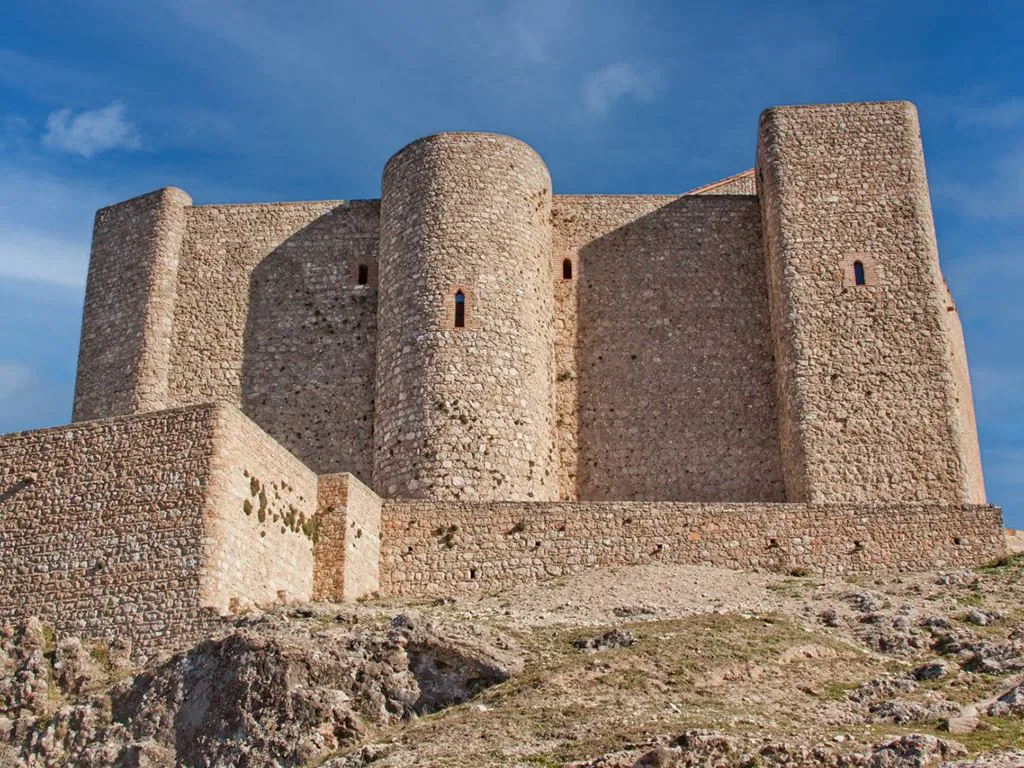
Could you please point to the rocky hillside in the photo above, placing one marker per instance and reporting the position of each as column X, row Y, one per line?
column 645, row 666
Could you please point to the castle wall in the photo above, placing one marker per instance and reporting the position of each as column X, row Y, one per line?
column 665, row 377
column 134, row 527
column 465, row 411
column 270, row 316
column 963, row 425
column 873, row 393
column 258, row 542
column 444, row 547
column 104, row 520
column 125, row 349
column 738, row 184
column 347, row 548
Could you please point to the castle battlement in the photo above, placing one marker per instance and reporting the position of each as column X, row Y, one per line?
column 473, row 380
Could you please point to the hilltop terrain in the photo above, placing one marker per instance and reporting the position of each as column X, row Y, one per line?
column 643, row 666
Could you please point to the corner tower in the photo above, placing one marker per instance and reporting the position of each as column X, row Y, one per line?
column 124, row 357
column 874, row 396
column 465, row 316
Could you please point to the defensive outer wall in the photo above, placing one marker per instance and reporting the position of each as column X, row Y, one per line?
column 472, row 382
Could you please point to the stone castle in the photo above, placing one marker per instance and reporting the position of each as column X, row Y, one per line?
column 472, row 382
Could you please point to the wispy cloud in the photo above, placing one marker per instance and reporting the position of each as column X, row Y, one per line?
column 528, row 32
column 14, row 376
column 30, row 399
column 45, row 223
column 42, row 258
column 998, row 194
column 1003, row 114
column 91, row 132
column 14, row 132
column 605, row 87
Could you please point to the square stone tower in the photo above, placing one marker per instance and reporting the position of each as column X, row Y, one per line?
column 871, row 373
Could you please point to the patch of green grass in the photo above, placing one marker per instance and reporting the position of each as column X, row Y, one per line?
column 100, row 653
column 962, row 690
column 836, row 691
column 994, row 733
column 973, row 599
column 1003, row 564
column 49, row 639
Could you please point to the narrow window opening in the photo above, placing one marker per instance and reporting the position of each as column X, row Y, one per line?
column 364, row 275
column 858, row 273
column 460, row 310
column 567, row 269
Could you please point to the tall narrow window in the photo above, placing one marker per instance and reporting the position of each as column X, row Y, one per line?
column 858, row 273
column 363, row 276
column 567, row 269
column 460, row 310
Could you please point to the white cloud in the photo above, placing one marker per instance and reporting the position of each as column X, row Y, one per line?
column 46, row 224
column 40, row 257
column 604, row 87
column 91, row 132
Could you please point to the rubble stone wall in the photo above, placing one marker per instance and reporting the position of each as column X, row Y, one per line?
column 129, row 304
column 348, row 539
column 136, row 526
column 665, row 377
column 872, row 378
column 101, row 525
column 270, row 316
column 260, row 520
column 440, row 547
column 465, row 412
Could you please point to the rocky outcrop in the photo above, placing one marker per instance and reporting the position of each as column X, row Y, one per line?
column 698, row 748
column 272, row 692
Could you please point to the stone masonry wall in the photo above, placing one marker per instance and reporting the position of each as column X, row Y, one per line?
column 129, row 303
column 260, row 520
column 270, row 316
column 664, row 351
column 874, row 399
column 101, row 525
column 348, row 540
column 444, row 547
column 739, row 184
column 465, row 412
column 136, row 527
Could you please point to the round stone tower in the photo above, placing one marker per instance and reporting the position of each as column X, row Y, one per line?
column 465, row 317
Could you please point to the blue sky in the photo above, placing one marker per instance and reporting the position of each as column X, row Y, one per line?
column 250, row 100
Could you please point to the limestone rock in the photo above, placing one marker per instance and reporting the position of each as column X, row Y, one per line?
column 933, row 671
column 614, row 638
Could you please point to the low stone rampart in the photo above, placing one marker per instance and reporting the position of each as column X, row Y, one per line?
column 439, row 547
column 146, row 527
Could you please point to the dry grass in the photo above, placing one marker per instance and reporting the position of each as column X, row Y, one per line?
column 777, row 671
column 728, row 672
